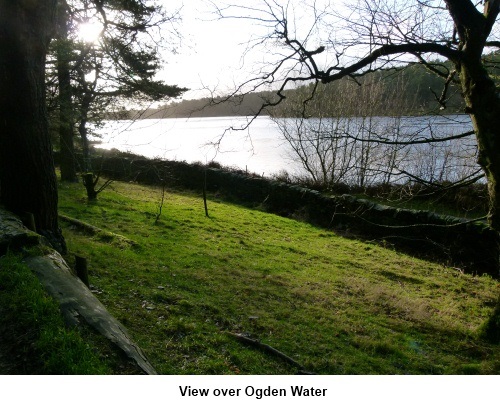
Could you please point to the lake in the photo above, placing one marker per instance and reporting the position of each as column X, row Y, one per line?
column 258, row 149
column 262, row 149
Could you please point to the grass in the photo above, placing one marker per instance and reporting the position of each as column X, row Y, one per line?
column 334, row 305
column 33, row 331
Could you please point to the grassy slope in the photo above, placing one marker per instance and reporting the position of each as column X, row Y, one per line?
column 335, row 305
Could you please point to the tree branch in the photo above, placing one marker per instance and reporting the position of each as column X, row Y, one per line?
column 493, row 44
column 491, row 11
column 384, row 141
column 269, row 349
column 465, row 16
column 387, row 50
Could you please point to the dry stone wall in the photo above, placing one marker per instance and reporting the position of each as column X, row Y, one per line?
column 471, row 246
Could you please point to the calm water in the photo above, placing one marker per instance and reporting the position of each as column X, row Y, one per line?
column 260, row 149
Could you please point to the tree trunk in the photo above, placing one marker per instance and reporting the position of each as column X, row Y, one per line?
column 82, row 130
column 27, row 177
column 88, row 182
column 66, row 137
column 88, row 176
column 483, row 104
column 487, row 126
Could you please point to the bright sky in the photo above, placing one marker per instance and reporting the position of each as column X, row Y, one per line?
column 213, row 55
column 212, row 51
column 212, row 60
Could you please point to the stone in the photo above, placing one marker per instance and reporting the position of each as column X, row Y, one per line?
column 13, row 234
column 76, row 301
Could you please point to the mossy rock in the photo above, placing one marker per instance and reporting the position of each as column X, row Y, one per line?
column 13, row 234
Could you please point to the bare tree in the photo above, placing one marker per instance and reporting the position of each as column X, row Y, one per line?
column 356, row 136
column 321, row 43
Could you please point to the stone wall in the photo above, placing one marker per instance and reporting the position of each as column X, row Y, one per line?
column 471, row 246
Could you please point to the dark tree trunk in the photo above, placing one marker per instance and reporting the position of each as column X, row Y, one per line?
column 66, row 135
column 27, row 177
column 88, row 177
column 483, row 104
column 89, row 183
column 82, row 130
column 479, row 91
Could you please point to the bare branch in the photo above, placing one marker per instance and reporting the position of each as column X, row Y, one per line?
column 387, row 50
column 422, row 141
column 442, row 98
column 493, row 44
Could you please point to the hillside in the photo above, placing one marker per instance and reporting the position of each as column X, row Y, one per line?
column 247, row 105
column 335, row 306
column 411, row 90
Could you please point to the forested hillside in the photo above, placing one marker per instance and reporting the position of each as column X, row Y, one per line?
column 414, row 90
column 246, row 105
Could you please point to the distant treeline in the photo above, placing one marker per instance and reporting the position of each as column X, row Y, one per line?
column 414, row 90
column 245, row 105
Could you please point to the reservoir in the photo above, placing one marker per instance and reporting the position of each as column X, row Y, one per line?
column 259, row 146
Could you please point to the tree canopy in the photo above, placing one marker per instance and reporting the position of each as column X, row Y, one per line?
column 106, row 54
column 122, row 66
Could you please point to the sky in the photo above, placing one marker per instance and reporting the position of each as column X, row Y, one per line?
column 211, row 58
column 211, row 55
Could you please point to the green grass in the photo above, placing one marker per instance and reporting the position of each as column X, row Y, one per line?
column 34, row 338
column 336, row 306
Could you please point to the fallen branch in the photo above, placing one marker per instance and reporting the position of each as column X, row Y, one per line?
column 271, row 350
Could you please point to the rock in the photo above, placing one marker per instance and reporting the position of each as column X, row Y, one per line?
column 76, row 301
column 13, row 234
